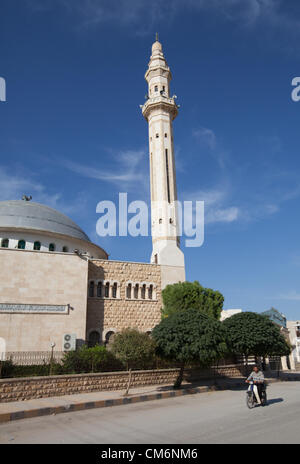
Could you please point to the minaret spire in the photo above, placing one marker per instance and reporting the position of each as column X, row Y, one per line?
column 159, row 110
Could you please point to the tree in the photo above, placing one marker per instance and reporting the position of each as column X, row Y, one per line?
column 189, row 336
column 252, row 334
column 185, row 295
column 132, row 347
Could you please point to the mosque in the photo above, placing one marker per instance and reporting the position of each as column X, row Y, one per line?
column 57, row 288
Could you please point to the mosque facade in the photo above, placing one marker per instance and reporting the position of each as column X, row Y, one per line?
column 57, row 288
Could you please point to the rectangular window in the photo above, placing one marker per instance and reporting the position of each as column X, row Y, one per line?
column 168, row 180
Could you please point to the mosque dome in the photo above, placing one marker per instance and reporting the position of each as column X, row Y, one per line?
column 30, row 221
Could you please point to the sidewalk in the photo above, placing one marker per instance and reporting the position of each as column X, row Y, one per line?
column 61, row 404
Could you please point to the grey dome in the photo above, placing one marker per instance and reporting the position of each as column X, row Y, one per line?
column 23, row 214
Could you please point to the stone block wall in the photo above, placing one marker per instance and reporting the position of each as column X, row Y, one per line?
column 41, row 278
column 114, row 314
column 43, row 387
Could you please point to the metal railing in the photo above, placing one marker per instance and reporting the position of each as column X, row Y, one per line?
column 30, row 358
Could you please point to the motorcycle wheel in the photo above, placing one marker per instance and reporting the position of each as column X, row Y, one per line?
column 250, row 401
column 264, row 399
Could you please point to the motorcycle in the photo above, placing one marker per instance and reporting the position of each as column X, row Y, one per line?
column 251, row 398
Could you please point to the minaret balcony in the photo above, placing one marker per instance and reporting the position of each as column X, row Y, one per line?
column 160, row 102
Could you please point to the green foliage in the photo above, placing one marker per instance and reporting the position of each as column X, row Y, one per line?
column 84, row 360
column 190, row 336
column 254, row 334
column 132, row 347
column 10, row 370
column 185, row 295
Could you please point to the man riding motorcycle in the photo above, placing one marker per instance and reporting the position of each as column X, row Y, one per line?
column 258, row 379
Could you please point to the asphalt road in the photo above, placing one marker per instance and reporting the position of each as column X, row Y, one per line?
column 217, row 417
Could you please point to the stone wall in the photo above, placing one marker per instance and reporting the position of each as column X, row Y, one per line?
column 44, row 279
column 42, row 387
column 114, row 314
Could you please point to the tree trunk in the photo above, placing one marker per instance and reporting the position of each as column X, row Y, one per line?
column 129, row 383
column 179, row 379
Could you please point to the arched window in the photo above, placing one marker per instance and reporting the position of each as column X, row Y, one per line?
column 128, row 291
column 65, row 249
column 4, row 243
column 37, row 245
column 136, row 291
column 52, row 247
column 108, row 337
column 21, row 244
column 143, row 292
column 107, row 290
column 94, row 339
column 150, row 292
column 91, row 289
column 99, row 290
column 114, row 290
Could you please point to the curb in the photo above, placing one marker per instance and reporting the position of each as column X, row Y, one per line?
column 85, row 405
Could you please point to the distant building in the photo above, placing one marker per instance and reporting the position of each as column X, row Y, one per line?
column 294, row 334
column 276, row 317
column 229, row 312
column 279, row 319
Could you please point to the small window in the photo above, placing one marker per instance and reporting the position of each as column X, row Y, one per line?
column 107, row 290
column 37, row 246
column 99, row 290
column 166, row 135
column 157, row 136
column 128, row 291
column 136, row 291
column 114, row 290
column 5, row 243
column 91, row 289
column 65, row 249
column 51, row 247
column 156, row 88
column 143, row 292
column 150, row 292
column 21, row 244
column 160, row 221
column 164, row 88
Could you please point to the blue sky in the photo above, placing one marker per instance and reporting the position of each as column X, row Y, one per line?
column 72, row 133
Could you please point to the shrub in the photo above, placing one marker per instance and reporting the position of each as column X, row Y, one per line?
column 84, row 360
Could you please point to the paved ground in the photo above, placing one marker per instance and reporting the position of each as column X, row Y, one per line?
column 217, row 417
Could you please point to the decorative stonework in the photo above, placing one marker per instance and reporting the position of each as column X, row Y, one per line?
column 33, row 308
column 140, row 313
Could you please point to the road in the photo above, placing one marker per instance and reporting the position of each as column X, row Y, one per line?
column 216, row 417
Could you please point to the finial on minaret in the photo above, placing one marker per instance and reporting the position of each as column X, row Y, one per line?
column 156, row 36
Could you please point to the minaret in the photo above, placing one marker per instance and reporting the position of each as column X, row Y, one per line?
column 159, row 110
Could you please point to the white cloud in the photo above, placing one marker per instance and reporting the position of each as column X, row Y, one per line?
column 222, row 215
column 144, row 16
column 215, row 205
column 206, row 136
column 290, row 296
column 128, row 173
column 13, row 186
